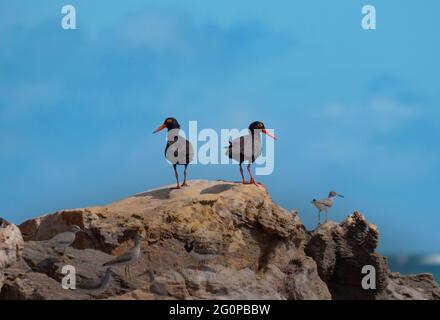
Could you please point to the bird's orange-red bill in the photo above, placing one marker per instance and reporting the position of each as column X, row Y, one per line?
column 269, row 134
column 161, row 127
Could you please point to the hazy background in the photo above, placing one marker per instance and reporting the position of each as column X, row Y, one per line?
column 356, row 111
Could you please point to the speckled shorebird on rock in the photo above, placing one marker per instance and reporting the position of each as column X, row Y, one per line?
column 202, row 256
column 178, row 150
column 248, row 148
column 129, row 257
column 98, row 285
column 325, row 204
column 63, row 240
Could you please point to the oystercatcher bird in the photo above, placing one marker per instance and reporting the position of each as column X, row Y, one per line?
column 129, row 257
column 178, row 150
column 248, row 148
column 325, row 204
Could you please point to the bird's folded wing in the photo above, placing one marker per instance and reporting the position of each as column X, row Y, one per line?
column 96, row 284
column 180, row 151
column 190, row 150
column 65, row 238
column 125, row 257
column 207, row 251
column 90, row 284
column 243, row 146
column 324, row 202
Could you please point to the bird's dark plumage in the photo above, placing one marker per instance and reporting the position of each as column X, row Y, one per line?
column 248, row 147
column 240, row 142
column 178, row 150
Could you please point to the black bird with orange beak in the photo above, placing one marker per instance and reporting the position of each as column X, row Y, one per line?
column 178, row 150
column 248, row 148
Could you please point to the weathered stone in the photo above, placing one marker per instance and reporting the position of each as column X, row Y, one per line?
column 341, row 251
column 263, row 250
column 11, row 246
column 134, row 295
column 415, row 287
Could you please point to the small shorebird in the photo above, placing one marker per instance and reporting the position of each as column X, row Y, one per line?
column 63, row 240
column 129, row 257
column 325, row 204
column 200, row 255
column 99, row 285
column 248, row 148
column 178, row 150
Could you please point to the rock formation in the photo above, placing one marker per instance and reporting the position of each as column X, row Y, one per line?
column 342, row 250
column 267, row 253
column 11, row 247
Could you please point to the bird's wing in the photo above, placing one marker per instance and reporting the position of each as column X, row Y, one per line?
column 190, row 151
column 96, row 284
column 179, row 151
column 125, row 257
column 207, row 251
column 249, row 147
column 233, row 150
column 229, row 148
column 324, row 202
column 203, row 251
column 90, row 284
column 65, row 238
column 241, row 148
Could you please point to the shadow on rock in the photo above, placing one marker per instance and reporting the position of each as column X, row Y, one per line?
column 160, row 194
column 217, row 189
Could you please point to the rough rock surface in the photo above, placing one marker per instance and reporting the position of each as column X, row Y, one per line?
column 342, row 250
column 415, row 287
column 267, row 253
column 11, row 246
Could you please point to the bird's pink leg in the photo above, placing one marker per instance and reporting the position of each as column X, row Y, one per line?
column 250, row 174
column 184, row 184
column 177, row 176
column 242, row 174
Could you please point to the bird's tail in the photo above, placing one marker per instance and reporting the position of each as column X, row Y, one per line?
column 228, row 151
column 150, row 275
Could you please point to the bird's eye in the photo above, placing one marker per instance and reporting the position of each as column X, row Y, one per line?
column 169, row 121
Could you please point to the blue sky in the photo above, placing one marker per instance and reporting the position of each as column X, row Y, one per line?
column 354, row 110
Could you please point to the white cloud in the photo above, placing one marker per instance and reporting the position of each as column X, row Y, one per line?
column 379, row 113
column 431, row 260
column 388, row 113
column 155, row 31
column 368, row 139
column 22, row 99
